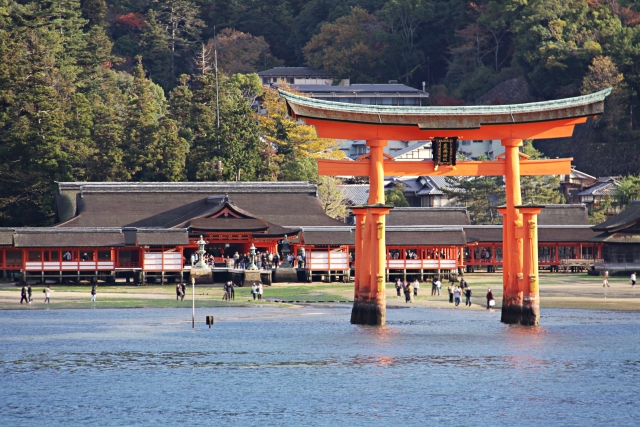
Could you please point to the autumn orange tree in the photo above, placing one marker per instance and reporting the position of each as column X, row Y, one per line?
column 291, row 139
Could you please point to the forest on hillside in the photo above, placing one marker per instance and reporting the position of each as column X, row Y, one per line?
column 126, row 89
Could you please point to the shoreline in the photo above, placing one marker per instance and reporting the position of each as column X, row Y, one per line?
column 558, row 290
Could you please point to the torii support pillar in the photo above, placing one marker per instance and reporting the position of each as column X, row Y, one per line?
column 369, row 304
column 530, row 293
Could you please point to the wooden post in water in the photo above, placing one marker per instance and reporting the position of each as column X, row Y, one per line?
column 193, row 302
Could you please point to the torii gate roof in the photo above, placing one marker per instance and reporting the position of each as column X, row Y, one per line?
column 548, row 119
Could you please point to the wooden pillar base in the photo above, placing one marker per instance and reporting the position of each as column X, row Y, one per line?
column 368, row 313
column 511, row 311
column 530, row 313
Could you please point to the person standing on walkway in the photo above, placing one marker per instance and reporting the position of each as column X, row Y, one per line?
column 489, row 298
column 94, row 292
column 47, row 292
column 416, row 286
column 467, row 294
column 456, row 295
column 178, row 291
column 23, row 295
column 633, row 279
column 29, row 294
column 260, row 290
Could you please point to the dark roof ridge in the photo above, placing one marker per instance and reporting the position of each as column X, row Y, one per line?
column 193, row 187
column 432, row 209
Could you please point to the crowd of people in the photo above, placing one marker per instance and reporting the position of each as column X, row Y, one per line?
column 456, row 291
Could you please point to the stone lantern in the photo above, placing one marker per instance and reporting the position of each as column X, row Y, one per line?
column 201, row 252
column 252, row 258
column 286, row 250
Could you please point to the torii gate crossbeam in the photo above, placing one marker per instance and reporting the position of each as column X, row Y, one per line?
column 511, row 124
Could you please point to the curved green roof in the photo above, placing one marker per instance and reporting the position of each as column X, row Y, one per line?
column 460, row 117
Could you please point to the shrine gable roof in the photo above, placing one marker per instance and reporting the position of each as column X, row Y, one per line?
column 626, row 219
column 287, row 204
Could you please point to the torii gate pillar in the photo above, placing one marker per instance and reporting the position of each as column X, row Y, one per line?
column 369, row 304
column 520, row 300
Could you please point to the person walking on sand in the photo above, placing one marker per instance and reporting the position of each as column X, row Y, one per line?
column 232, row 291
column 438, row 286
column 489, row 299
column 183, row 286
column 398, row 286
column 410, row 292
column 225, row 288
column 47, row 292
column 434, row 288
column 633, row 279
column 467, row 294
column 605, row 281
column 416, row 286
column 94, row 292
column 23, row 295
column 450, row 289
column 456, row 295
column 260, row 291
column 29, row 294
column 178, row 291
column 254, row 291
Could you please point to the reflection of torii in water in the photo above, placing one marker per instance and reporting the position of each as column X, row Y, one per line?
column 509, row 123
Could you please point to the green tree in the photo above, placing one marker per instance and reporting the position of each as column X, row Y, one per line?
column 395, row 197
column 539, row 190
column 300, row 169
column 404, row 17
column 481, row 195
column 182, row 25
column 349, row 48
column 627, row 191
column 157, row 53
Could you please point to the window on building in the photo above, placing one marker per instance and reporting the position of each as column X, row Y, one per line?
column 13, row 257
column 35, row 256
column 265, row 80
column 467, row 142
column 478, row 141
column 104, row 255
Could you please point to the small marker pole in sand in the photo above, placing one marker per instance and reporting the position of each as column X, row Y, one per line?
column 193, row 303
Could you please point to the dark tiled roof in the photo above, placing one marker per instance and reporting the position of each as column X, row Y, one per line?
column 292, row 72
column 624, row 219
column 607, row 188
column 171, row 204
column 422, row 237
column 546, row 234
column 621, row 238
column 563, row 215
column 428, row 216
column 395, row 236
column 330, row 237
column 355, row 194
column 68, row 237
column 6, row 236
column 163, row 237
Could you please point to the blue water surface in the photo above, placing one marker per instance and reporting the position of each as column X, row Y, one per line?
column 270, row 366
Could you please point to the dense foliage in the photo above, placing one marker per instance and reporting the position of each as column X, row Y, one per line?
column 125, row 89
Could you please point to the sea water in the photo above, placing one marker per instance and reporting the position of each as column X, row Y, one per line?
column 270, row 366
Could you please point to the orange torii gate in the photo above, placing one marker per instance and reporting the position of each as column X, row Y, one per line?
column 509, row 123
